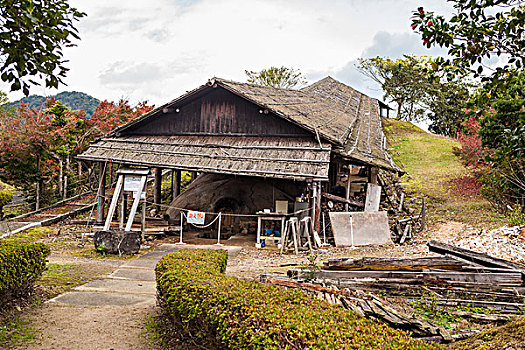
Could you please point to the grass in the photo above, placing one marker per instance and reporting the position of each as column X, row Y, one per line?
column 509, row 336
column 15, row 330
column 433, row 172
column 7, row 188
column 60, row 277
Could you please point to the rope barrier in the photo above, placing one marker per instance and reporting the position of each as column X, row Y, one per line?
column 201, row 226
column 167, row 206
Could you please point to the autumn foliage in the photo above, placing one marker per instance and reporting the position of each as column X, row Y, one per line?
column 472, row 152
column 40, row 145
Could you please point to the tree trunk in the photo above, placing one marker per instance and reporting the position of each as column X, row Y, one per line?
column 60, row 176
column 39, row 183
column 64, row 195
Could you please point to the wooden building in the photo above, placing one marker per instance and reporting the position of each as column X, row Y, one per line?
column 224, row 127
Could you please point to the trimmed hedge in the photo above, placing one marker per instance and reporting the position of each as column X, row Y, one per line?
column 210, row 310
column 21, row 264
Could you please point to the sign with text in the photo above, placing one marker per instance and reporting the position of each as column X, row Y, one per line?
column 196, row 217
column 132, row 183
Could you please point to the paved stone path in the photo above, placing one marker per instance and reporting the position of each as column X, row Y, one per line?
column 108, row 313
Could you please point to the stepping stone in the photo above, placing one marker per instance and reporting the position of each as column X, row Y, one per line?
column 134, row 274
column 153, row 255
column 232, row 250
column 120, row 286
column 143, row 263
column 103, row 299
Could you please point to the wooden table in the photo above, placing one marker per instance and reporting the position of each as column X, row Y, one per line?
column 269, row 217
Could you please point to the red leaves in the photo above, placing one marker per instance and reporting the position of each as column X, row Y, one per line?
column 471, row 152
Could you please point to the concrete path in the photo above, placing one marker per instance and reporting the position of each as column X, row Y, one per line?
column 108, row 313
column 132, row 284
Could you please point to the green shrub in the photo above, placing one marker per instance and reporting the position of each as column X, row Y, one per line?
column 210, row 310
column 21, row 265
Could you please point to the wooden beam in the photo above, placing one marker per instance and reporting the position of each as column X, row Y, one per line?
column 341, row 199
column 478, row 258
column 393, row 264
column 497, row 278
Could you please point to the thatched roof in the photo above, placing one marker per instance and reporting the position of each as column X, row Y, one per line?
column 345, row 120
column 286, row 158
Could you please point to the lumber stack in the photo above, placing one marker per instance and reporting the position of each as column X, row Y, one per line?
column 462, row 283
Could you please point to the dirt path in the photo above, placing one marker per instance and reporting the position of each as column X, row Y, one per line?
column 108, row 313
column 88, row 328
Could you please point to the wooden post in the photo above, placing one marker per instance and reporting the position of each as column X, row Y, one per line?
column 143, row 217
column 101, row 193
column 177, row 183
column 193, row 175
column 348, row 186
column 373, row 175
column 157, row 188
column 172, row 187
column 136, row 202
column 114, row 201
column 122, row 212
column 317, row 218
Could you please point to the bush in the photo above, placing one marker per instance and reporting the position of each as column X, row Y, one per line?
column 20, row 266
column 209, row 310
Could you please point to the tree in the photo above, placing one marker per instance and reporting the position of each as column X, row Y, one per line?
column 32, row 36
column 477, row 31
column 284, row 78
column 419, row 91
column 445, row 104
column 402, row 80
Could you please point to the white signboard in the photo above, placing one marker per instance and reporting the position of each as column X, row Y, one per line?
column 196, row 217
column 132, row 183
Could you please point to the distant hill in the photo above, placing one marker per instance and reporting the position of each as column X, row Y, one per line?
column 73, row 99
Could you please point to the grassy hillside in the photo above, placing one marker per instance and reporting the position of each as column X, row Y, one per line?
column 436, row 173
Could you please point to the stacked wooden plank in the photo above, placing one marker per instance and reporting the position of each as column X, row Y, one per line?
column 469, row 285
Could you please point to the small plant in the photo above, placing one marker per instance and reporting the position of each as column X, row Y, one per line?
column 427, row 307
column 516, row 217
column 102, row 249
column 311, row 267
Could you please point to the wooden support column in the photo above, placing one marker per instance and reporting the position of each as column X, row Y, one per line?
column 101, row 193
column 123, row 209
column 374, row 171
column 176, row 184
column 193, row 175
column 157, row 188
column 317, row 209
column 348, row 185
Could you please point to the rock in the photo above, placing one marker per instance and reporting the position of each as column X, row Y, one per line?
column 117, row 241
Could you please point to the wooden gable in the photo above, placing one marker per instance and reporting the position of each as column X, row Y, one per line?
column 215, row 111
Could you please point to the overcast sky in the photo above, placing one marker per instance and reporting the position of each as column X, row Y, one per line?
column 156, row 50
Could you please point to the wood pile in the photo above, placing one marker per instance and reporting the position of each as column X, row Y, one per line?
column 407, row 216
column 460, row 283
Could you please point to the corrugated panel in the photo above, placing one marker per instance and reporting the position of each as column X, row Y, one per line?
column 290, row 158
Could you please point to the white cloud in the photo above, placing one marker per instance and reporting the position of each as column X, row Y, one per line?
column 158, row 49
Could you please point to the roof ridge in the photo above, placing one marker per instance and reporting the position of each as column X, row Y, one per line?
column 226, row 81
